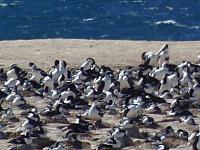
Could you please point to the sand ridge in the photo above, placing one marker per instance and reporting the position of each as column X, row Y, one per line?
column 107, row 52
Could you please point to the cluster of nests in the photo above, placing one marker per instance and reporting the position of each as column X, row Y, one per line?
column 156, row 87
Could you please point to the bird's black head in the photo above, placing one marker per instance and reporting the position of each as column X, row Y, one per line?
column 56, row 63
column 64, row 64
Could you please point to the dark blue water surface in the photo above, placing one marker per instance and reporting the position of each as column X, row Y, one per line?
column 100, row 19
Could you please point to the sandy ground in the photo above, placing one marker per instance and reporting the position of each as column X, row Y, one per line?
column 111, row 53
column 106, row 52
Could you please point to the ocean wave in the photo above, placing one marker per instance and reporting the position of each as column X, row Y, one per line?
column 174, row 23
column 138, row 1
column 88, row 19
column 152, row 8
column 15, row 3
column 3, row 5
column 169, row 8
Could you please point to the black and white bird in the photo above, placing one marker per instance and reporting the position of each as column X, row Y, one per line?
column 23, row 138
column 37, row 74
column 196, row 142
column 188, row 120
column 14, row 72
column 8, row 114
column 182, row 134
column 94, row 113
column 132, row 111
column 111, row 143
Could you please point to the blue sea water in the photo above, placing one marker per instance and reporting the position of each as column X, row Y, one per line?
column 100, row 19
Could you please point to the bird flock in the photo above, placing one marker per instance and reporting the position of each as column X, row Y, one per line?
column 83, row 97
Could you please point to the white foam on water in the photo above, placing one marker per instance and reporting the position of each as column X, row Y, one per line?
column 172, row 22
column 88, row 19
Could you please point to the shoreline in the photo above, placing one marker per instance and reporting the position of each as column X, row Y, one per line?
column 113, row 53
